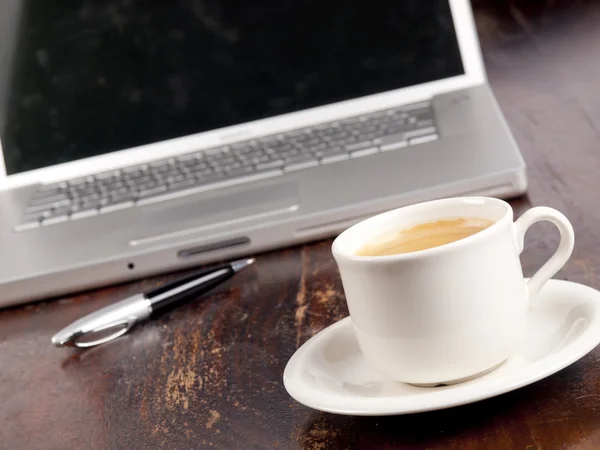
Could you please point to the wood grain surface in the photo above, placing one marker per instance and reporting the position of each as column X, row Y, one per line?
column 209, row 374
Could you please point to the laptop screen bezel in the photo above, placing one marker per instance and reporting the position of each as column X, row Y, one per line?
column 474, row 74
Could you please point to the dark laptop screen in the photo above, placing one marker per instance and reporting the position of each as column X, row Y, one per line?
column 91, row 77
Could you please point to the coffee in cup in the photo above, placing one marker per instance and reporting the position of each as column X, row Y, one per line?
column 424, row 235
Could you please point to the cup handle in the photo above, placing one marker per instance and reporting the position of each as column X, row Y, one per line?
column 562, row 253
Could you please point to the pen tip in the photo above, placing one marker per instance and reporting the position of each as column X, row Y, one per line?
column 241, row 264
column 57, row 341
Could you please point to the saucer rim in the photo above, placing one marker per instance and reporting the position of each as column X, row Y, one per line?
column 383, row 406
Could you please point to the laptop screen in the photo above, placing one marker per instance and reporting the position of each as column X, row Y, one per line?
column 87, row 78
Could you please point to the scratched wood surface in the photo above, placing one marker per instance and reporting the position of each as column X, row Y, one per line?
column 208, row 374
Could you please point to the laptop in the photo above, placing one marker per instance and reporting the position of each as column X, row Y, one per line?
column 142, row 137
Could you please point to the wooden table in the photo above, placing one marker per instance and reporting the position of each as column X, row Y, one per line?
column 209, row 374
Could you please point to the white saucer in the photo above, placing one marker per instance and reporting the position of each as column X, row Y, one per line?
column 329, row 373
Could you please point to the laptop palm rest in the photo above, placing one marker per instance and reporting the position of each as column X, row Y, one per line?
column 188, row 217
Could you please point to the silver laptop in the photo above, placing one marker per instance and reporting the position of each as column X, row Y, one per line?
column 154, row 136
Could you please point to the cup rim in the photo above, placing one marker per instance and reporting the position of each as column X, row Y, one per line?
column 441, row 249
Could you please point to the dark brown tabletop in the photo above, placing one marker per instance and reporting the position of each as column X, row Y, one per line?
column 209, row 374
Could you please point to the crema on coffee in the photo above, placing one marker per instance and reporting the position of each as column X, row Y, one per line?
column 424, row 236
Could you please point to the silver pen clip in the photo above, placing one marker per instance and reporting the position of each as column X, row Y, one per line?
column 105, row 324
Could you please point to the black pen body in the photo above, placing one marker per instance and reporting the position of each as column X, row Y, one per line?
column 188, row 288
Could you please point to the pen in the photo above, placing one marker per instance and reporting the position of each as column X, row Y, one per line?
column 115, row 320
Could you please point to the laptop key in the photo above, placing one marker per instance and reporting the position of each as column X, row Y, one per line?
column 216, row 169
column 299, row 165
column 92, row 203
column 194, row 164
column 187, row 157
column 244, row 149
column 261, row 159
column 240, row 172
column 423, row 139
column 53, row 186
column 300, row 159
column 161, row 163
column 28, row 225
column 135, row 169
column 164, row 171
column 36, row 209
column 143, row 193
column 345, row 141
column 201, row 172
column 130, row 177
column 182, row 184
column 425, row 123
column 255, row 153
column 270, row 165
column 112, row 186
column 280, row 147
column 195, row 172
column 330, row 151
column 326, row 133
column 85, row 209
column 60, row 211
column 269, row 141
column 120, row 191
column 334, row 157
column 319, row 147
column 143, row 179
column 108, row 187
column 237, row 164
column 223, row 161
column 245, row 162
column 211, row 178
column 50, row 206
column 48, row 193
column 312, row 142
column 119, row 198
column 349, row 140
column 82, row 214
column 149, row 185
column 397, row 128
column 81, row 188
column 49, row 200
column 374, row 135
column 364, row 152
column 358, row 146
column 338, row 136
column 92, row 196
column 216, row 153
column 307, row 150
column 234, row 165
column 299, row 137
column 80, row 181
column 107, row 175
column 425, row 106
column 161, row 177
column 118, row 204
column 393, row 146
column 290, row 154
column 389, row 139
column 55, row 219
column 176, row 178
column 419, row 132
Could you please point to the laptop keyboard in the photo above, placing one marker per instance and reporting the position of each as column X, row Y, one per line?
column 247, row 161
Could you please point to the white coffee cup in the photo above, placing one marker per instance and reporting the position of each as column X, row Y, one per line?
column 448, row 313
